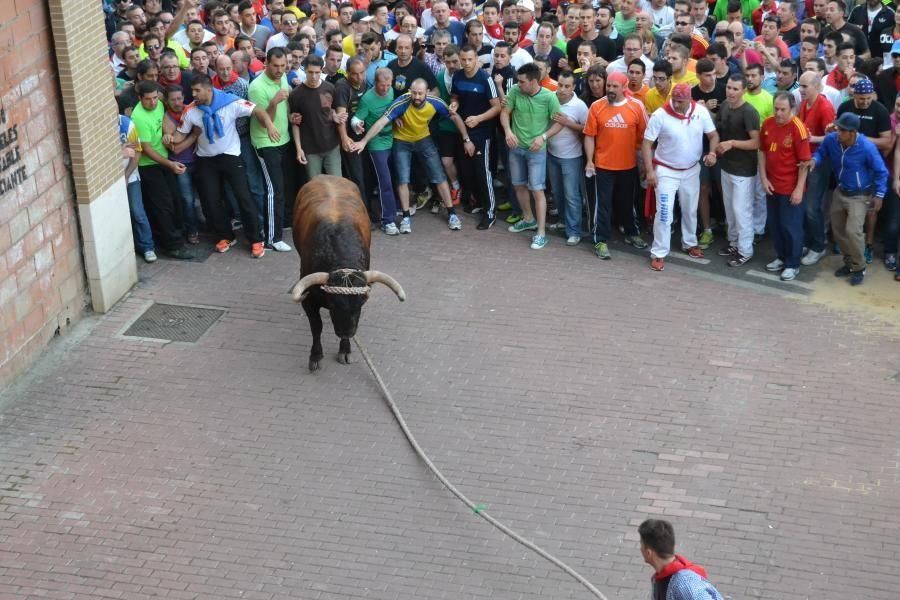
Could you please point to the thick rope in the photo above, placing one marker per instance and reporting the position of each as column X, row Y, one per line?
column 345, row 291
column 478, row 509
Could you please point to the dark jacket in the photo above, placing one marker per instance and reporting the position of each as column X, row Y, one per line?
column 860, row 18
column 886, row 87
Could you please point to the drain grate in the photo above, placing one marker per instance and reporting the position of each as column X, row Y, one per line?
column 174, row 322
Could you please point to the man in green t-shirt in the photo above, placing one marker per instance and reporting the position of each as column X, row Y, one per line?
column 158, row 186
column 269, row 92
column 372, row 106
column 527, row 121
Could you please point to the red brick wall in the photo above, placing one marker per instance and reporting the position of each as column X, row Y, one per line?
column 42, row 287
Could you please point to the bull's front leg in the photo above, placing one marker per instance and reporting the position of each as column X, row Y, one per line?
column 343, row 356
column 311, row 308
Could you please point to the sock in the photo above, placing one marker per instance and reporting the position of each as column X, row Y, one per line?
column 451, row 211
column 405, row 213
column 455, row 185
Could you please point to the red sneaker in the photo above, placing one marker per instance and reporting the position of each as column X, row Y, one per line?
column 257, row 250
column 657, row 264
column 223, row 246
column 694, row 252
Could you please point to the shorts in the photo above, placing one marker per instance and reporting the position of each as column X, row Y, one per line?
column 528, row 168
column 713, row 173
column 449, row 144
column 427, row 153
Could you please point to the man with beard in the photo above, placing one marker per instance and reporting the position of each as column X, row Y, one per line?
column 613, row 133
column 412, row 137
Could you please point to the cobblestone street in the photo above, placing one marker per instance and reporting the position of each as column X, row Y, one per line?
column 573, row 397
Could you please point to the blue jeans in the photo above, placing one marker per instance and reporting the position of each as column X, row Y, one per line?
column 528, row 168
column 565, row 176
column 785, row 224
column 186, row 188
column 427, row 153
column 814, row 219
column 140, row 226
column 381, row 162
column 503, row 156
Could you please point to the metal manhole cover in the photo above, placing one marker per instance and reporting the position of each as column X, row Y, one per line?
column 174, row 322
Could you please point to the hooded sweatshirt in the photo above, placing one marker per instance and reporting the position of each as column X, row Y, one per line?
column 683, row 580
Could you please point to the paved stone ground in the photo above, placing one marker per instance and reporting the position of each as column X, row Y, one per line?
column 574, row 397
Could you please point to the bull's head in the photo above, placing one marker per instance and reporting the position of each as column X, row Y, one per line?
column 345, row 290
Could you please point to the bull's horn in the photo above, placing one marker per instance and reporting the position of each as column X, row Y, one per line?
column 379, row 277
column 310, row 280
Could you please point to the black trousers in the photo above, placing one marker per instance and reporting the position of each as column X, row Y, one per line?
column 212, row 173
column 273, row 161
column 162, row 204
column 614, row 203
column 479, row 181
column 355, row 170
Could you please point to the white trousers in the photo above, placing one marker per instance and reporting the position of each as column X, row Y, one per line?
column 738, row 196
column 759, row 207
column 686, row 184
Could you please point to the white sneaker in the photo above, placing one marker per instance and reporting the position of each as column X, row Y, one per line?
column 454, row 223
column 406, row 225
column 150, row 256
column 281, row 246
column 775, row 265
column 390, row 229
column 789, row 274
column 435, row 208
column 573, row 240
column 812, row 257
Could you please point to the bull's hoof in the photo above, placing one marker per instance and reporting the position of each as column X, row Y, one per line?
column 345, row 358
column 314, row 363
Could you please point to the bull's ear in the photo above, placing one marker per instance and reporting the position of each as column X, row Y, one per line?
column 299, row 291
column 379, row 277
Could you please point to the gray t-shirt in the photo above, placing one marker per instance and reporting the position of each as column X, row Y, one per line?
column 260, row 36
column 736, row 124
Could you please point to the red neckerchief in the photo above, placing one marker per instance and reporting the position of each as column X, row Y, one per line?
column 217, row 81
column 679, row 564
column 569, row 36
column 164, row 82
column 684, row 117
column 524, row 28
column 175, row 116
column 494, row 31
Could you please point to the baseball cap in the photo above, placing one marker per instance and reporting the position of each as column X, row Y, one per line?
column 360, row 15
column 864, row 86
column 682, row 91
column 526, row 4
column 848, row 121
column 895, row 47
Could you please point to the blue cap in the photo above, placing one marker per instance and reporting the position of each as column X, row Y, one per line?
column 895, row 47
column 848, row 121
column 863, row 86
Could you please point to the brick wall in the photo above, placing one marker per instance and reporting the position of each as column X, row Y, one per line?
column 42, row 285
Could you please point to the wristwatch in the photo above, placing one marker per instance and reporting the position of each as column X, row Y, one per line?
column 544, row 136
column 467, row 140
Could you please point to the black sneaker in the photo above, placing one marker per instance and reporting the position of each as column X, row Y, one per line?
column 856, row 277
column 180, row 254
column 842, row 272
column 728, row 251
column 739, row 260
column 486, row 222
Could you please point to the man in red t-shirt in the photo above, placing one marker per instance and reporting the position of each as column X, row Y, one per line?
column 783, row 152
column 817, row 113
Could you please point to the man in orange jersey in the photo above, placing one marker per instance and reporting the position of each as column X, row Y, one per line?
column 783, row 145
column 612, row 135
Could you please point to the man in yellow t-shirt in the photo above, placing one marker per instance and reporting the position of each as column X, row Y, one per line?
column 662, row 86
column 677, row 55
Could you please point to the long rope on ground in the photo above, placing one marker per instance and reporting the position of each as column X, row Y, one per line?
column 477, row 509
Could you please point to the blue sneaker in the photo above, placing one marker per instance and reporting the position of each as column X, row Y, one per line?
column 522, row 225
column 538, row 242
column 867, row 254
column 454, row 223
column 856, row 277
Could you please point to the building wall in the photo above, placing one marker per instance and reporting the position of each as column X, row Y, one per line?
column 65, row 232
column 42, row 283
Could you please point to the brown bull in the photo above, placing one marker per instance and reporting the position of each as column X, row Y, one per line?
column 332, row 236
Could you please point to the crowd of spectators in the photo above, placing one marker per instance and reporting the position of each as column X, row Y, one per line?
column 656, row 119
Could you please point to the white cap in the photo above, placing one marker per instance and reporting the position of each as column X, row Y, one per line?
column 526, row 4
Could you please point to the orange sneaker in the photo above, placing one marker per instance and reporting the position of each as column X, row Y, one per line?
column 657, row 264
column 223, row 246
column 454, row 196
column 257, row 250
column 694, row 252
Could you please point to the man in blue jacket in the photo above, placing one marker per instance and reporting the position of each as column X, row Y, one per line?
column 862, row 183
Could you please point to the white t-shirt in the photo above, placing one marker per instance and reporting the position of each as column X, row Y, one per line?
column 834, row 96
column 567, row 143
column 182, row 38
column 620, row 66
column 279, row 40
column 679, row 141
column 664, row 19
column 230, row 142
column 520, row 57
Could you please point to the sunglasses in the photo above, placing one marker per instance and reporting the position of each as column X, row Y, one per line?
column 154, row 47
column 682, row 23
